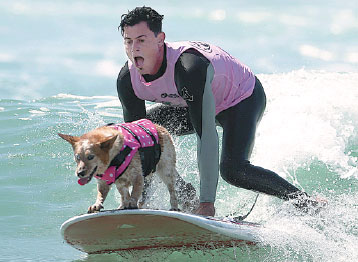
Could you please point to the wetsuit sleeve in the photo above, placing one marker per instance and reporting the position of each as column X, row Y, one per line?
column 133, row 107
column 193, row 78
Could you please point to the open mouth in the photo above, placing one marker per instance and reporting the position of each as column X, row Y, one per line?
column 139, row 62
column 84, row 180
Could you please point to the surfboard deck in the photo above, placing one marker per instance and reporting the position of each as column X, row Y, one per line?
column 141, row 229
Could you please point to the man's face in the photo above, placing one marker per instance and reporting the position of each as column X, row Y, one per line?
column 143, row 48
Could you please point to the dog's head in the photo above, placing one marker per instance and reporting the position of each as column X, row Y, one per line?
column 91, row 153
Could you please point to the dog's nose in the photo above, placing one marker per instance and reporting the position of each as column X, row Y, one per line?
column 81, row 174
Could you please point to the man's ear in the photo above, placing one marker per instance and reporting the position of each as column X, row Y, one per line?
column 161, row 38
column 70, row 139
column 106, row 145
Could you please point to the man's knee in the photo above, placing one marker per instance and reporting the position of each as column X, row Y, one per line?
column 175, row 119
column 234, row 172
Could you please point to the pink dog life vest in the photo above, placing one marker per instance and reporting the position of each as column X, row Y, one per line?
column 131, row 132
column 232, row 82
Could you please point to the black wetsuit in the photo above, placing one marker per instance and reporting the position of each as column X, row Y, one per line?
column 239, row 125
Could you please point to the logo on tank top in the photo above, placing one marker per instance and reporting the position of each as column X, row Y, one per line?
column 201, row 46
column 165, row 95
column 186, row 95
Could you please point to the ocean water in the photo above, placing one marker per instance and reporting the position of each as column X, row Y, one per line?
column 58, row 66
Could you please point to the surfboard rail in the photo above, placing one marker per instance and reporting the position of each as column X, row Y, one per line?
column 141, row 229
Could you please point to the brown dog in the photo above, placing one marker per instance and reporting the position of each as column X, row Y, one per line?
column 96, row 151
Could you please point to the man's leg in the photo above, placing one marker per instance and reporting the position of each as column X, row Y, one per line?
column 239, row 127
column 176, row 120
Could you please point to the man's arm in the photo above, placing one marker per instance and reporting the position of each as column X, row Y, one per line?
column 193, row 78
column 133, row 107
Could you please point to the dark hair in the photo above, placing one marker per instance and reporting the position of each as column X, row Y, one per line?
column 142, row 14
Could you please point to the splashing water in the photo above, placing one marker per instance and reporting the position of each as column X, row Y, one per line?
column 308, row 135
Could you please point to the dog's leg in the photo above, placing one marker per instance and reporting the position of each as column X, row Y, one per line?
column 167, row 175
column 146, row 191
column 137, row 190
column 124, row 192
column 130, row 201
column 102, row 192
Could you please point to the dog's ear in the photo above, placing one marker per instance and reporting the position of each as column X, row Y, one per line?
column 70, row 139
column 106, row 145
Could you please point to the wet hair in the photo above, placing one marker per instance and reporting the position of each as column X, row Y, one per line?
column 142, row 14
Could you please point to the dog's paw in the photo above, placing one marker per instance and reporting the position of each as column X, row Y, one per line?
column 129, row 205
column 94, row 208
column 143, row 205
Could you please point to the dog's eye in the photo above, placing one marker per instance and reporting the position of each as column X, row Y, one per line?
column 77, row 157
column 90, row 157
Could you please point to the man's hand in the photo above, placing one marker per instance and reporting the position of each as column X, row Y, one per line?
column 206, row 209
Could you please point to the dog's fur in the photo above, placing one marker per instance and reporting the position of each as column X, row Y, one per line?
column 94, row 152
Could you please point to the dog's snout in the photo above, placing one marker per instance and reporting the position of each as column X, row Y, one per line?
column 81, row 173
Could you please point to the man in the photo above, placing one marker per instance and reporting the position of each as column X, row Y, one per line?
column 199, row 86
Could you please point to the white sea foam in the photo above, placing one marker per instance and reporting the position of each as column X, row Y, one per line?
column 70, row 96
column 253, row 17
column 107, row 68
column 343, row 21
column 5, row 57
column 315, row 52
column 218, row 15
column 310, row 115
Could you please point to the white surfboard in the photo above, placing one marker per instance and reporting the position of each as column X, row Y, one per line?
column 141, row 229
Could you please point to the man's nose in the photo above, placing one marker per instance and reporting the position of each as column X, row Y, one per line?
column 135, row 47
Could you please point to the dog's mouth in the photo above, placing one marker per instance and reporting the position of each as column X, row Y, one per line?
column 84, row 180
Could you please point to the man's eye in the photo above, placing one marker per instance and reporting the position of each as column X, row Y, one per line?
column 90, row 157
column 128, row 42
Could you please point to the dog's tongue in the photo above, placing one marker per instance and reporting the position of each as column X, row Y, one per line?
column 82, row 181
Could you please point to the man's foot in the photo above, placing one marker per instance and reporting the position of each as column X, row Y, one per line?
column 308, row 204
column 206, row 209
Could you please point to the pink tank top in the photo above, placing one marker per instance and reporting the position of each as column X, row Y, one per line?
column 113, row 172
column 232, row 82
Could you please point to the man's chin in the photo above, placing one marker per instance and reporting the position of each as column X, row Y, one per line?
column 142, row 71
